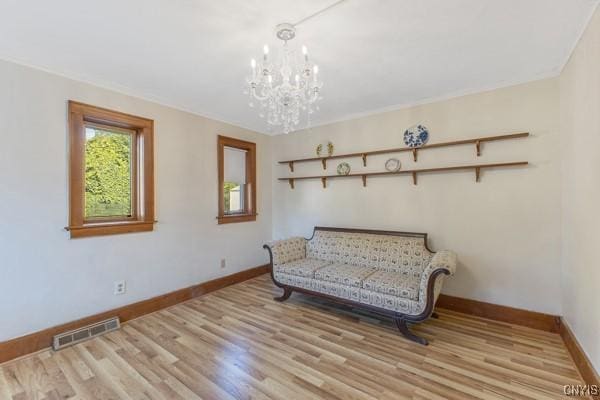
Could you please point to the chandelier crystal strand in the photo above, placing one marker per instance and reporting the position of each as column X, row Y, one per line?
column 286, row 87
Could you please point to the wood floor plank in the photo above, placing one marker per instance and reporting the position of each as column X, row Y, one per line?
column 4, row 389
column 73, row 377
column 237, row 343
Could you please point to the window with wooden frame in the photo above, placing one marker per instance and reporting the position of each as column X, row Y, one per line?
column 111, row 172
column 237, row 180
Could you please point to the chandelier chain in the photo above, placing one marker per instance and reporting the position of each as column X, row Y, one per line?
column 329, row 7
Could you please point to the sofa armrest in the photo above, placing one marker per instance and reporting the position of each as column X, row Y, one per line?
column 443, row 259
column 442, row 264
column 286, row 250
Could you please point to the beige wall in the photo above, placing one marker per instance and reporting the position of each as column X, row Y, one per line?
column 506, row 229
column 580, row 128
column 47, row 279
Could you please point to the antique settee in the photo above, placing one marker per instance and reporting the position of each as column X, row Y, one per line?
column 387, row 272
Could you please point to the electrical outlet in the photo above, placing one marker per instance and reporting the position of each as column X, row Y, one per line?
column 120, row 287
column 223, row 263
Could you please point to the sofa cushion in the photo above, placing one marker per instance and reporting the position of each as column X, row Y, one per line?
column 344, row 274
column 394, row 284
column 403, row 254
column 323, row 247
column 337, row 290
column 393, row 303
column 390, row 253
column 305, row 267
column 295, row 280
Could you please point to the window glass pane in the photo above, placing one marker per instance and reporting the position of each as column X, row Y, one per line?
column 234, row 197
column 108, row 172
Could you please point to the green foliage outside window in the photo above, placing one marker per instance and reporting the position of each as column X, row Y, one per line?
column 229, row 187
column 107, row 174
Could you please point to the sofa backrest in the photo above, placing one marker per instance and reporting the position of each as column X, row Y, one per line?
column 390, row 251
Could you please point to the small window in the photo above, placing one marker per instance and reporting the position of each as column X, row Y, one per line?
column 111, row 172
column 237, row 180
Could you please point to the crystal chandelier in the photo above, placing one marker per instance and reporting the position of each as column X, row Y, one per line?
column 284, row 87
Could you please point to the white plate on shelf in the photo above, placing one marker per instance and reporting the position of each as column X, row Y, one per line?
column 392, row 165
column 343, row 168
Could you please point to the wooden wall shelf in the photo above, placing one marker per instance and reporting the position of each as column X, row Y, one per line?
column 413, row 172
column 476, row 141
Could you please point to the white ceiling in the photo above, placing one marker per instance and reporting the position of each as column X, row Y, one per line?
column 373, row 54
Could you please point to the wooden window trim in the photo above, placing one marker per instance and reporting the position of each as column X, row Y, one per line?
column 249, row 213
column 142, row 219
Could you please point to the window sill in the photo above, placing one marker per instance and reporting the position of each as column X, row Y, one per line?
column 230, row 219
column 109, row 228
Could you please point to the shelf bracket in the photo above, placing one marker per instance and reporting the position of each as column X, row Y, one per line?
column 324, row 162
column 477, row 174
column 414, row 175
column 324, row 182
column 414, row 151
column 291, row 181
column 478, row 147
column 291, row 165
column 364, row 158
column 364, row 179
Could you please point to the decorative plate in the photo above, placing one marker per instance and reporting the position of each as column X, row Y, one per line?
column 325, row 149
column 343, row 168
column 416, row 136
column 392, row 165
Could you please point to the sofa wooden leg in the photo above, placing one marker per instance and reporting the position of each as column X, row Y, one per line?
column 287, row 292
column 435, row 315
column 403, row 328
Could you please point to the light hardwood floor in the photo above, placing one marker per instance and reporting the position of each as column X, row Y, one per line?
column 237, row 343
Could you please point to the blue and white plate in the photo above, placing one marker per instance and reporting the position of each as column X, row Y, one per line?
column 416, row 136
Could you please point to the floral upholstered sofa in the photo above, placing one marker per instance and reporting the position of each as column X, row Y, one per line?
column 390, row 273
